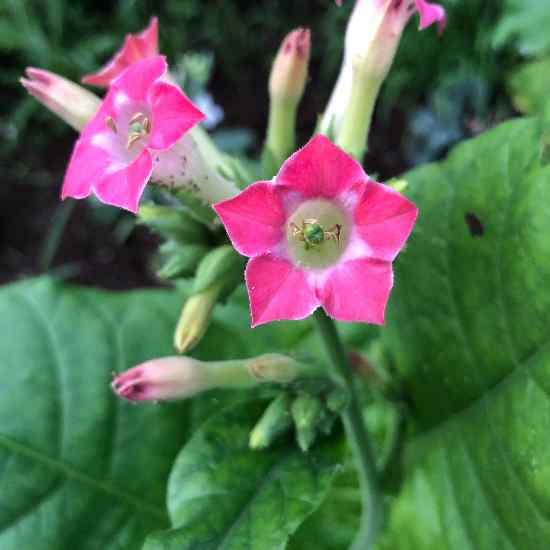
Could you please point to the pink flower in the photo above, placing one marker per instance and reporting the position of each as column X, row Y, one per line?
column 429, row 13
column 135, row 48
column 140, row 118
column 321, row 233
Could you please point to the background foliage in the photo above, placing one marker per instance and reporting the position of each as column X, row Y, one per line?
column 466, row 332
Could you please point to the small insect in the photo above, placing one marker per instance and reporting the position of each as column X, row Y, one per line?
column 312, row 233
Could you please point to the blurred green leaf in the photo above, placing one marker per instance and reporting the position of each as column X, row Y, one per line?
column 524, row 23
column 530, row 87
column 79, row 467
column 221, row 494
column 468, row 326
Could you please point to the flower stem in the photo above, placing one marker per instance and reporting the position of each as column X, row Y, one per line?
column 371, row 519
column 281, row 134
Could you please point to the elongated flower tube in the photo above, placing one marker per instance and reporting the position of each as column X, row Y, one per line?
column 372, row 37
column 172, row 378
column 321, row 233
column 71, row 102
column 135, row 48
column 139, row 121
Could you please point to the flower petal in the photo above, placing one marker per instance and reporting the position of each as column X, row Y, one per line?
column 135, row 47
column 87, row 166
column 124, row 187
column 173, row 114
column 358, row 290
column 430, row 13
column 320, row 169
column 384, row 219
column 254, row 219
column 135, row 81
column 92, row 170
column 277, row 290
column 148, row 39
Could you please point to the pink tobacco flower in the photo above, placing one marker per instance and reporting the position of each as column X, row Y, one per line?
column 429, row 13
column 141, row 117
column 321, row 233
column 135, row 48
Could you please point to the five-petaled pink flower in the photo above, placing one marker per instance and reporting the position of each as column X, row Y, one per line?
column 321, row 233
column 135, row 48
column 141, row 117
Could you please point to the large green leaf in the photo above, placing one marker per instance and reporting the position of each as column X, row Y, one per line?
column 80, row 468
column 223, row 495
column 530, row 87
column 469, row 329
column 526, row 23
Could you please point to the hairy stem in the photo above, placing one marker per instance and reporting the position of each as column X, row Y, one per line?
column 371, row 519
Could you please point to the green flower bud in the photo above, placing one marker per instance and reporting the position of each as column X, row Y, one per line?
column 275, row 421
column 307, row 412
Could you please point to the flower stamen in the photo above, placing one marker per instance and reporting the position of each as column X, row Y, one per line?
column 139, row 127
column 110, row 123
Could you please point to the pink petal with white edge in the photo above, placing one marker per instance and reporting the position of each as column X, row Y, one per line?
column 124, row 187
column 431, row 13
column 277, row 290
column 320, row 169
column 136, row 80
column 254, row 219
column 173, row 114
column 384, row 219
column 135, row 47
column 358, row 291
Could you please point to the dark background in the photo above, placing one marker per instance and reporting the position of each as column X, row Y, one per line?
column 441, row 90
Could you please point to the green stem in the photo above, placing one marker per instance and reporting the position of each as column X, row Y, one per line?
column 281, row 134
column 358, row 115
column 371, row 519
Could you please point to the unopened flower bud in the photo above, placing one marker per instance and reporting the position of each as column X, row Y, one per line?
column 286, row 88
column 275, row 421
column 171, row 378
column 163, row 379
column 307, row 412
column 290, row 68
column 73, row 103
column 195, row 317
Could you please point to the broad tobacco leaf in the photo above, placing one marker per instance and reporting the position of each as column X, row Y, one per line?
column 525, row 23
column 78, row 467
column 221, row 494
column 529, row 87
column 469, row 326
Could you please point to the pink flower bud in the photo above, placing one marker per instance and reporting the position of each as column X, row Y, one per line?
column 290, row 67
column 163, row 379
column 73, row 103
